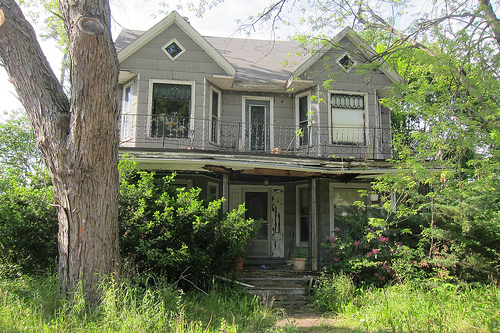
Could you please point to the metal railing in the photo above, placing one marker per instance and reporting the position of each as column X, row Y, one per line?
column 165, row 132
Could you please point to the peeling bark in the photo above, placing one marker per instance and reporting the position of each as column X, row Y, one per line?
column 78, row 137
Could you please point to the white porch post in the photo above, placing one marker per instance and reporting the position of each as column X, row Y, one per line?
column 314, row 224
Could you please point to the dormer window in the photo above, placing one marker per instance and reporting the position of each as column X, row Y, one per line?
column 346, row 62
column 173, row 49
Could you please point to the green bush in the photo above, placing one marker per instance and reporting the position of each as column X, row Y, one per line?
column 28, row 226
column 334, row 291
column 169, row 232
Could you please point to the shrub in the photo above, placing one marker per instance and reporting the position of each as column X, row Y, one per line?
column 170, row 232
column 28, row 226
column 334, row 291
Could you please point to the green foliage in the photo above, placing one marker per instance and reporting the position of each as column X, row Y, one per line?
column 170, row 232
column 446, row 142
column 36, row 305
column 28, row 219
column 371, row 254
column 411, row 307
column 334, row 291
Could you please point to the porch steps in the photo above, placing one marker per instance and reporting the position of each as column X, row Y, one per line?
column 283, row 286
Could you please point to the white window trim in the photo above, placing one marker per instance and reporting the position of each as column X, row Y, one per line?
column 347, row 70
column 128, row 111
column 173, row 40
column 271, row 116
column 337, row 186
column 366, row 112
column 297, row 214
column 213, row 184
column 219, row 106
column 297, row 117
column 150, row 101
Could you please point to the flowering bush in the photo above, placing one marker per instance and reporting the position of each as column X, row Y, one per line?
column 368, row 257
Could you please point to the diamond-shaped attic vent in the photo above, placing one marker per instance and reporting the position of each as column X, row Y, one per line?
column 173, row 49
column 346, row 62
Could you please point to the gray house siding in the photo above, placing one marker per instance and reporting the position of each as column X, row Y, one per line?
column 227, row 165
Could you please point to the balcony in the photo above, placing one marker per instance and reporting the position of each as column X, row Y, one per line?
column 169, row 133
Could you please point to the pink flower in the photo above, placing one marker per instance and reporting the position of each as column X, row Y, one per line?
column 369, row 254
column 336, row 259
column 375, row 251
column 336, row 229
column 331, row 238
column 357, row 243
column 393, row 251
column 383, row 239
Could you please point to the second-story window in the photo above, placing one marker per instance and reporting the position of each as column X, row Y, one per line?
column 348, row 118
column 214, row 116
column 126, row 120
column 170, row 110
column 303, row 105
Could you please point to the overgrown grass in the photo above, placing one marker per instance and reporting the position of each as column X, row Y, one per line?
column 416, row 307
column 35, row 305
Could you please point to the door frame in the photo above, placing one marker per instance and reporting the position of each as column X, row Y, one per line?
column 275, row 212
column 246, row 119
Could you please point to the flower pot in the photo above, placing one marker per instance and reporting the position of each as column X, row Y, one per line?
column 239, row 264
column 299, row 264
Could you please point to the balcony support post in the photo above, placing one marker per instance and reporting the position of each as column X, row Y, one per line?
column 225, row 192
column 314, row 224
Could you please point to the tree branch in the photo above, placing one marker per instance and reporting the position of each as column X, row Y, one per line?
column 29, row 71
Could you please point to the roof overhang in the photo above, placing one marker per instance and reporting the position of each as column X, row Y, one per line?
column 258, row 164
column 125, row 75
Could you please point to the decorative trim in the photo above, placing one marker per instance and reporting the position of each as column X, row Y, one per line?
column 174, row 52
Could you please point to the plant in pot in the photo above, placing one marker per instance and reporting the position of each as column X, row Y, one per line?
column 238, row 232
column 299, row 258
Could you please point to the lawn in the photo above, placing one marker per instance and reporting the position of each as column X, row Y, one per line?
column 35, row 305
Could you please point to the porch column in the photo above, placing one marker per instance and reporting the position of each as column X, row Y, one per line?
column 225, row 192
column 314, row 224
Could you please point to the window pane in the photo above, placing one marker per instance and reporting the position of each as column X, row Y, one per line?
column 171, row 110
column 256, row 204
column 303, row 109
column 348, row 124
column 258, row 127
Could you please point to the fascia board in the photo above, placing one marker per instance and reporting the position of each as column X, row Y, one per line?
column 161, row 26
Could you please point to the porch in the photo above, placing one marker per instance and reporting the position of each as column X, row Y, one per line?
column 214, row 134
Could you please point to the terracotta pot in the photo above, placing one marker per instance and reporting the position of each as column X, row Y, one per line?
column 239, row 264
column 299, row 264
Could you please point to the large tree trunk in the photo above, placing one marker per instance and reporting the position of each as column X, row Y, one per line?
column 78, row 137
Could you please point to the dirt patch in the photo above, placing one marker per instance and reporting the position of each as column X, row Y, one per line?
column 308, row 320
column 304, row 317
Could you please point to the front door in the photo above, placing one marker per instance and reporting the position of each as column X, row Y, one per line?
column 257, row 204
column 264, row 203
column 257, row 124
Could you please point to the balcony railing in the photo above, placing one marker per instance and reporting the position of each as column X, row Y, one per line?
column 165, row 132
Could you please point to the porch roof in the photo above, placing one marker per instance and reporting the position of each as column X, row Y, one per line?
column 257, row 164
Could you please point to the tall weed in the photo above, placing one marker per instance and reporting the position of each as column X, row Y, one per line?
column 35, row 305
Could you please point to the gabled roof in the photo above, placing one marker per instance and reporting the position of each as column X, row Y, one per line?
column 363, row 47
column 249, row 63
column 174, row 17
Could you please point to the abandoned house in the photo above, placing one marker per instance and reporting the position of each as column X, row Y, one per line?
column 253, row 121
